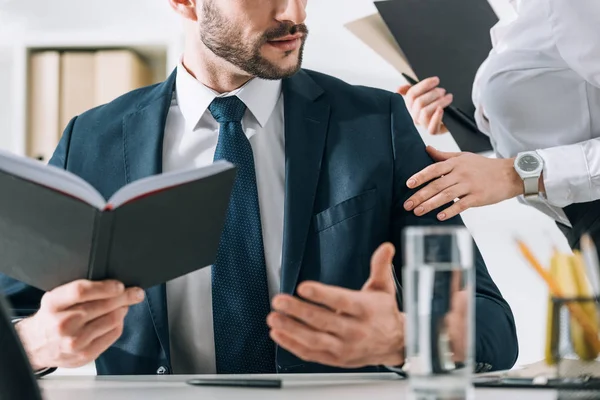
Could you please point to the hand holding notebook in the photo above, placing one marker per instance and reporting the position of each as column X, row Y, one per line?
column 76, row 323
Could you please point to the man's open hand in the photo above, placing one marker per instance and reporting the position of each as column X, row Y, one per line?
column 341, row 327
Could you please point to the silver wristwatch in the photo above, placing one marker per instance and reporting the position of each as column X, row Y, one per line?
column 529, row 165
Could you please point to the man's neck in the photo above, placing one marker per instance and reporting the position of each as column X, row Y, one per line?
column 212, row 71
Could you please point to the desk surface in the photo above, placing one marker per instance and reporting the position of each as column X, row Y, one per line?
column 295, row 387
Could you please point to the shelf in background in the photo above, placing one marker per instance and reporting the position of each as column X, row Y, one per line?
column 158, row 52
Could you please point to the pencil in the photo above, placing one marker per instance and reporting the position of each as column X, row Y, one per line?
column 574, row 308
column 590, row 254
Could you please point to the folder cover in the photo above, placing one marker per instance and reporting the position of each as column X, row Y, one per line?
column 56, row 228
column 449, row 39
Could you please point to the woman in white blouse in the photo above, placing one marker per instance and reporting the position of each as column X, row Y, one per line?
column 539, row 90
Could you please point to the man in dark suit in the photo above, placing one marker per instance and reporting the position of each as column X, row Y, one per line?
column 322, row 171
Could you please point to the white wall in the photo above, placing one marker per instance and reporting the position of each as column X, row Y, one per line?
column 5, row 97
column 333, row 50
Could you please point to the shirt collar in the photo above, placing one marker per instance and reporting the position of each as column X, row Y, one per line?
column 193, row 98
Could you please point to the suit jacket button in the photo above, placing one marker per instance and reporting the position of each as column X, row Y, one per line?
column 161, row 370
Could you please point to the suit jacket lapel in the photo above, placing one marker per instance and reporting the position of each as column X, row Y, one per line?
column 306, row 123
column 143, row 133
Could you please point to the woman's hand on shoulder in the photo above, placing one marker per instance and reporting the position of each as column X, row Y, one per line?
column 471, row 179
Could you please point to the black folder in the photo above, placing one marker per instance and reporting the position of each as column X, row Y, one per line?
column 449, row 39
column 56, row 228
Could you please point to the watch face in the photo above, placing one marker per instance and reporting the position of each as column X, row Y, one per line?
column 528, row 163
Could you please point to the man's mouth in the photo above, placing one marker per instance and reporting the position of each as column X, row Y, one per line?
column 287, row 43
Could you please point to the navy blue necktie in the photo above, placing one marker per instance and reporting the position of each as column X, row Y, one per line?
column 240, row 292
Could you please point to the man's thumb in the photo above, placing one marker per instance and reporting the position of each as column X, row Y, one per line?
column 381, row 278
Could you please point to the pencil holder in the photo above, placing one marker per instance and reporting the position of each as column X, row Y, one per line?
column 573, row 340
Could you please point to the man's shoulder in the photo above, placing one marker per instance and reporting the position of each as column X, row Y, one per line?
column 126, row 104
column 342, row 91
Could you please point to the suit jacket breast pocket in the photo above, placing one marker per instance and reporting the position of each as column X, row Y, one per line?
column 345, row 210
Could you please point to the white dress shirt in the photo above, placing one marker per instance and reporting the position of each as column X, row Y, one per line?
column 539, row 90
column 191, row 136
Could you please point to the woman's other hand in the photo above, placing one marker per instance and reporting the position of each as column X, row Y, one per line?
column 426, row 102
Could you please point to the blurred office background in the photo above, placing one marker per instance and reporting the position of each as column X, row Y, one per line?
column 73, row 41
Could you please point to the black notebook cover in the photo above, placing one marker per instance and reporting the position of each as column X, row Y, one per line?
column 48, row 238
column 449, row 39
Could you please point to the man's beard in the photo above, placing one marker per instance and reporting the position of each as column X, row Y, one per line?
column 221, row 37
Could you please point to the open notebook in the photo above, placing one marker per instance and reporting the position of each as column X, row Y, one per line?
column 55, row 227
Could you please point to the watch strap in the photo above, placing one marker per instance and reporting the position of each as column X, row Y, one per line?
column 531, row 185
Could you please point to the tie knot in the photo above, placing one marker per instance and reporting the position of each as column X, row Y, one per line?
column 227, row 109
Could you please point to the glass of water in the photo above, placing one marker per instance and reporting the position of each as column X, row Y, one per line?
column 439, row 305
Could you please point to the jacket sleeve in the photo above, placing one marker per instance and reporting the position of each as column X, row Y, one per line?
column 496, row 345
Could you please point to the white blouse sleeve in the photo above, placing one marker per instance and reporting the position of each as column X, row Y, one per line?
column 572, row 173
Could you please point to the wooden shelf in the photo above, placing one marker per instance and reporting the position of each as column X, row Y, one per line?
column 159, row 53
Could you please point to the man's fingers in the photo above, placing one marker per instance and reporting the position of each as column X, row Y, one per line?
column 304, row 334
column 455, row 284
column 306, row 353
column 101, row 344
column 430, row 173
column 98, row 328
column 460, row 299
column 332, row 297
column 315, row 317
column 456, row 320
column 95, row 309
column 443, row 197
column 381, row 278
column 80, row 291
